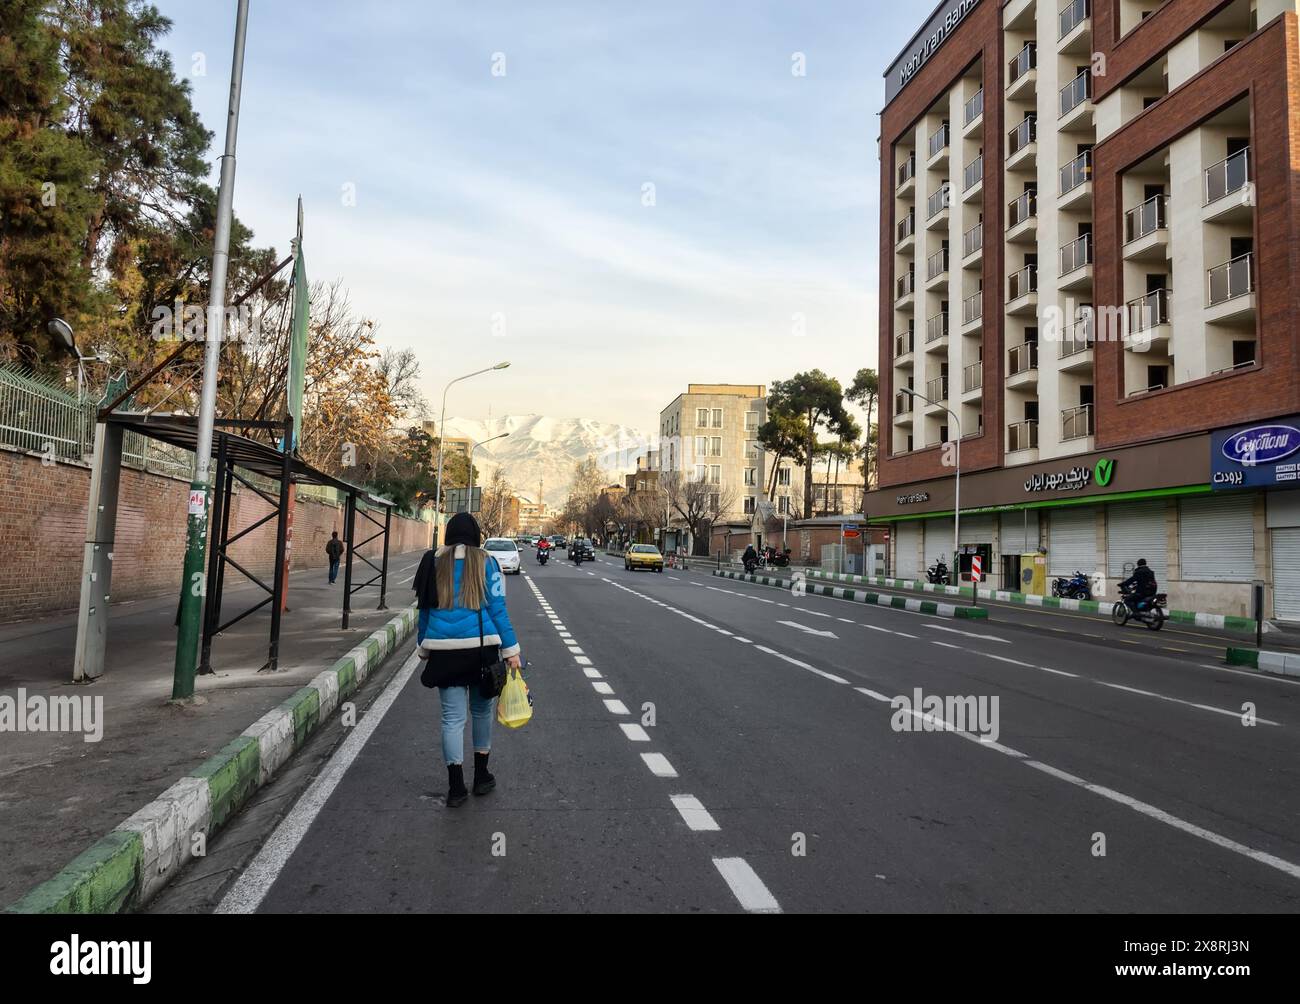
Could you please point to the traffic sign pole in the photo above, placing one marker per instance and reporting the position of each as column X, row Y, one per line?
column 976, row 574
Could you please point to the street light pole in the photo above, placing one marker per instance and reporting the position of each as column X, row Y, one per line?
column 442, row 436
column 471, row 461
column 187, row 634
column 956, row 494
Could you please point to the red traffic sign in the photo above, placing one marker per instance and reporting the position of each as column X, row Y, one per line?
column 852, row 533
column 976, row 568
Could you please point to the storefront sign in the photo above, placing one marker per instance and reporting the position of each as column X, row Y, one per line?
column 914, row 498
column 1075, row 479
column 1257, row 456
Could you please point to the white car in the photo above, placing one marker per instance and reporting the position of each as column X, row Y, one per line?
column 506, row 551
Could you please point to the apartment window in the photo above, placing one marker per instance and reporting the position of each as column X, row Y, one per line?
column 751, row 475
column 750, row 501
column 783, row 503
column 715, row 475
column 715, row 502
column 701, row 446
column 783, row 477
column 717, row 446
column 1243, row 354
column 702, row 418
column 701, row 473
column 751, row 421
column 717, row 418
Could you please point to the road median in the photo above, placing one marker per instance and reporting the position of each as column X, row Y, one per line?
column 129, row 865
column 1277, row 663
column 920, row 606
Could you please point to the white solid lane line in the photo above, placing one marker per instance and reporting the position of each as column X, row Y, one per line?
column 246, row 895
column 694, row 813
column 747, row 887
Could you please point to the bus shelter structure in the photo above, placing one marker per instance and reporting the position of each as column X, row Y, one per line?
column 238, row 459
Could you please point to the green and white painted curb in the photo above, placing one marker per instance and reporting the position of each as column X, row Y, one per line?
column 1222, row 622
column 862, row 596
column 127, row 867
column 1278, row 663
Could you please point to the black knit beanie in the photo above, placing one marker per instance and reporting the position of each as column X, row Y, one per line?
column 462, row 529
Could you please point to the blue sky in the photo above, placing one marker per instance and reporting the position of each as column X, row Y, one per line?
column 504, row 216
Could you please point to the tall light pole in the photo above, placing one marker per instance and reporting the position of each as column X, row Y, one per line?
column 187, row 634
column 471, row 461
column 956, row 494
column 442, row 430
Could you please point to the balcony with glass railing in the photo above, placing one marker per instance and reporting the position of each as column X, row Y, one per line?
column 1232, row 279
column 939, row 201
column 972, row 309
column 1072, row 16
column 906, row 227
column 972, row 241
column 1022, row 210
column 937, row 389
column 1077, row 423
column 1147, row 312
column 1076, row 257
column 907, row 170
column 974, row 108
column 906, row 285
column 1021, row 65
column 939, row 140
column 1076, row 93
column 936, row 328
column 1021, row 138
column 904, row 343
column 1227, row 176
column 1022, row 436
column 1021, row 287
column 1075, row 176
column 973, row 174
column 1146, row 219
column 936, row 265
column 902, row 404
column 1022, row 358
column 972, row 377
column 1077, row 341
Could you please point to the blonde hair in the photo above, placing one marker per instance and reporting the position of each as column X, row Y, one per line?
column 473, row 580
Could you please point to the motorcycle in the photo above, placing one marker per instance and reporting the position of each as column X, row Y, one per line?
column 576, row 554
column 1149, row 610
column 1077, row 588
column 543, row 555
column 937, row 574
column 775, row 559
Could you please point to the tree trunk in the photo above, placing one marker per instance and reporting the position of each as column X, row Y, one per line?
column 808, row 468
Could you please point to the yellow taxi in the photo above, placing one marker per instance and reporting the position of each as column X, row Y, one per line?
column 643, row 556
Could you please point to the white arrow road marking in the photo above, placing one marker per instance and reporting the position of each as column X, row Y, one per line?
column 810, row 630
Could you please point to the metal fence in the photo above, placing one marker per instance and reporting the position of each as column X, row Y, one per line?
column 38, row 416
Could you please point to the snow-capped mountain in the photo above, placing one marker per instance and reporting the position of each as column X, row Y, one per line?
column 544, row 450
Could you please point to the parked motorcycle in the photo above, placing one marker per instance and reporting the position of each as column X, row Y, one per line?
column 1078, row 587
column 776, row 559
column 937, row 574
column 1149, row 610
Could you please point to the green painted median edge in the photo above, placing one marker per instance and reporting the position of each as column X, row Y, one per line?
column 1248, row 657
column 105, row 878
column 863, row 596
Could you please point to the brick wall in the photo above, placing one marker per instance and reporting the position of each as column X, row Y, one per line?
column 43, row 530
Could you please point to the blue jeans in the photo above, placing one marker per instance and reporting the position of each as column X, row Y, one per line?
column 334, row 568
column 456, row 701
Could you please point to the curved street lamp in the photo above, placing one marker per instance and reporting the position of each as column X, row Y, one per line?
column 442, row 426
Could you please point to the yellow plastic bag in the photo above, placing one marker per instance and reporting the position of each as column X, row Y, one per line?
column 514, row 706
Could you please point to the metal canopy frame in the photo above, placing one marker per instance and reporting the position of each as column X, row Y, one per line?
column 234, row 452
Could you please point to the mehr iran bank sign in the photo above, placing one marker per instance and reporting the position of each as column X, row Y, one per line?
column 918, row 52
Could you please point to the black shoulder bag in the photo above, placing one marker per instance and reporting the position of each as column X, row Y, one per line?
column 491, row 676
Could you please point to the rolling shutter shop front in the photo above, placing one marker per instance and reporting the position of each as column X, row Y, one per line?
column 907, row 540
column 938, row 540
column 1019, row 532
column 1137, row 530
column 1072, row 541
column 1216, row 538
column 1286, row 573
column 976, row 530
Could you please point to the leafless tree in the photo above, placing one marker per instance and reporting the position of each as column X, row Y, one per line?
column 699, row 504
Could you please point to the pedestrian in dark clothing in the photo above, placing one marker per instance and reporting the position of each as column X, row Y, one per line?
column 334, row 550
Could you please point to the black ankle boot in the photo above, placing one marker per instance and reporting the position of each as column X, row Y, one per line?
column 483, row 779
column 456, row 793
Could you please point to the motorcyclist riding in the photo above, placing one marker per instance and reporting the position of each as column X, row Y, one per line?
column 750, row 558
column 1140, row 586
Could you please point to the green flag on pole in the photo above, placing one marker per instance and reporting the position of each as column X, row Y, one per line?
column 298, row 338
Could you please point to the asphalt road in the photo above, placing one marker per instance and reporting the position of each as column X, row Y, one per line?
column 773, row 774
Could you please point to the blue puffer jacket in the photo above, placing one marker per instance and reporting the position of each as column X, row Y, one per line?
column 457, row 629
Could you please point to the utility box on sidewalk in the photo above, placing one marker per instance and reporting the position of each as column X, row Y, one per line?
column 1033, row 574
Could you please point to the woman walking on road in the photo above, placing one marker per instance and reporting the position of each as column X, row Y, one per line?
column 463, row 626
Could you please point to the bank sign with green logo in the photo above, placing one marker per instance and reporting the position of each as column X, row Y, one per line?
column 1076, row 479
column 1103, row 472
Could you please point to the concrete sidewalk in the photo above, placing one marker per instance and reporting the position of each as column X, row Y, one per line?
column 59, row 793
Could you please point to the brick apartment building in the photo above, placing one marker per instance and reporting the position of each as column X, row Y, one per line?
column 1088, row 276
